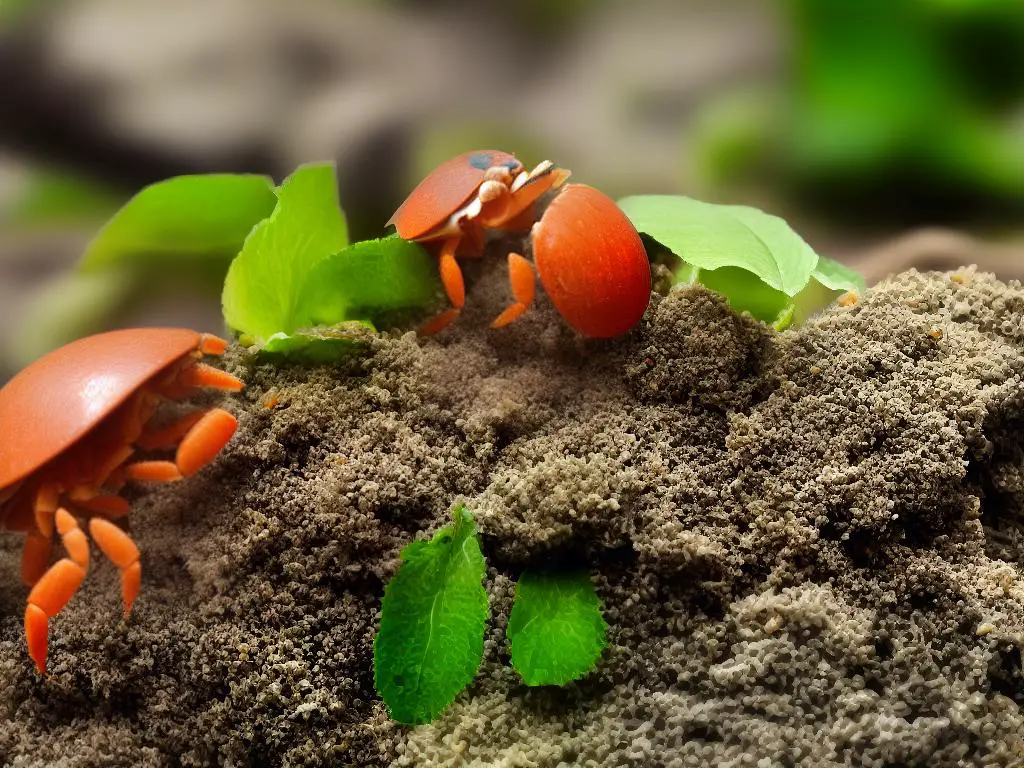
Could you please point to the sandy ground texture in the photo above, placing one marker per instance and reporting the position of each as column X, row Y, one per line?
column 808, row 545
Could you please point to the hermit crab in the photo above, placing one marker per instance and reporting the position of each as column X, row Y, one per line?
column 70, row 426
column 588, row 255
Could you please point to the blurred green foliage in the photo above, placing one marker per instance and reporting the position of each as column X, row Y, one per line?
column 12, row 11
column 57, row 197
column 201, row 217
column 175, row 235
column 881, row 84
column 903, row 106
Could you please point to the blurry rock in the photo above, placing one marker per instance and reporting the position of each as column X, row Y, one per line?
column 940, row 249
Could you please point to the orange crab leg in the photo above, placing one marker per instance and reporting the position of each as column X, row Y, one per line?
column 153, row 471
column 454, row 286
column 212, row 345
column 117, row 458
column 205, row 435
column 47, row 500
column 138, row 412
column 35, row 557
column 53, row 591
column 122, row 552
column 205, row 440
column 105, row 504
column 183, row 382
column 524, row 288
column 474, row 238
column 203, row 375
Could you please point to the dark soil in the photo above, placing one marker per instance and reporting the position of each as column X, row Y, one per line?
column 809, row 547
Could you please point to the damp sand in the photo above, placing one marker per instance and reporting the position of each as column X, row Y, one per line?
column 809, row 547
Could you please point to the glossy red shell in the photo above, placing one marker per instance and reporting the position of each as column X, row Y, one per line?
column 591, row 262
column 446, row 189
column 56, row 400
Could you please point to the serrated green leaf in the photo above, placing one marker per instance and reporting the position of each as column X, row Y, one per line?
column 556, row 628
column 368, row 281
column 709, row 237
column 262, row 286
column 433, row 616
column 204, row 216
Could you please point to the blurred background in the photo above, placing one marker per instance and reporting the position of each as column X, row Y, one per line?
column 890, row 133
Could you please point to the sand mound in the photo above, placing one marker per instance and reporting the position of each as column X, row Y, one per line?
column 807, row 543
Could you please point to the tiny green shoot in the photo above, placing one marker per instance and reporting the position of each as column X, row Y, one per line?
column 752, row 258
column 433, row 616
column 263, row 283
column 298, row 286
column 556, row 628
column 321, row 344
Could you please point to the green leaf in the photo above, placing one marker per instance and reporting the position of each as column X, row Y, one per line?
column 710, row 237
column 829, row 280
column 369, row 281
column 431, row 637
column 200, row 216
column 322, row 344
column 754, row 259
column 838, row 277
column 262, row 286
column 745, row 292
column 556, row 627
column 350, row 293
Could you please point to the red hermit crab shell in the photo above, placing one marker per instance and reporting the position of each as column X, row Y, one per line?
column 69, row 425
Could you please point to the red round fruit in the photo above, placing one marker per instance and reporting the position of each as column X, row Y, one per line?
column 591, row 262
